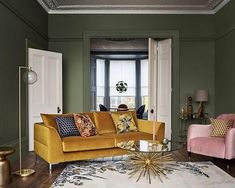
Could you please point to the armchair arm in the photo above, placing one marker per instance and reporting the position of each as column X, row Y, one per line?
column 147, row 127
column 230, row 144
column 47, row 143
column 198, row 130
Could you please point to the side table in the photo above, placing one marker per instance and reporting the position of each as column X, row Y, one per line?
column 5, row 170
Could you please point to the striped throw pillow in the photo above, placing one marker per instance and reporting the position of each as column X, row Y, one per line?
column 219, row 127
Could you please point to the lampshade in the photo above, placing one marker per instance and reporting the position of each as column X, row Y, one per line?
column 30, row 77
column 201, row 95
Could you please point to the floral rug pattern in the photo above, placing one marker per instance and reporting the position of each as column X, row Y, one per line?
column 79, row 174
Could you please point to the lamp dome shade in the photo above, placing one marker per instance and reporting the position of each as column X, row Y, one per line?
column 30, row 77
column 201, row 95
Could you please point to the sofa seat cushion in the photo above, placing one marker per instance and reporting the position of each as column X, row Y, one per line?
column 78, row 143
column 210, row 146
column 130, row 136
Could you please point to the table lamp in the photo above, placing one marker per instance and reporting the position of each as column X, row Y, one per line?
column 201, row 96
column 29, row 77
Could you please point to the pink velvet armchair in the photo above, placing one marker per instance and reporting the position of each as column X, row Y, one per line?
column 199, row 140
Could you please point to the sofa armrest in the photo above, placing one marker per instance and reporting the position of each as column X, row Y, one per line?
column 147, row 127
column 230, row 144
column 197, row 130
column 47, row 143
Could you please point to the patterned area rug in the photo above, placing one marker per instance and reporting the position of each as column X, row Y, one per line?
column 114, row 174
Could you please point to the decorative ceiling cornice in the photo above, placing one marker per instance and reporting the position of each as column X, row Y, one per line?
column 132, row 7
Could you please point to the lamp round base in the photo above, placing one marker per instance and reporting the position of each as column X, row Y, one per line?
column 24, row 172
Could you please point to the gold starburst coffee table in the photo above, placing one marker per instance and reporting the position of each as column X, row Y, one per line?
column 147, row 157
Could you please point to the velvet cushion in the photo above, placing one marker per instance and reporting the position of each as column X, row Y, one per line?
column 104, row 122
column 132, row 136
column 124, row 122
column 78, row 143
column 49, row 119
column 133, row 113
column 66, row 126
column 85, row 125
column 220, row 127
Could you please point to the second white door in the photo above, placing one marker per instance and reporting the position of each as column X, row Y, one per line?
column 160, row 82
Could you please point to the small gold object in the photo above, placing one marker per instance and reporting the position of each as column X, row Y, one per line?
column 24, row 172
column 5, row 170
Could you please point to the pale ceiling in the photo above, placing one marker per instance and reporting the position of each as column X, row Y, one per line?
column 132, row 6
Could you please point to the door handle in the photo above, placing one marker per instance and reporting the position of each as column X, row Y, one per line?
column 58, row 110
column 152, row 111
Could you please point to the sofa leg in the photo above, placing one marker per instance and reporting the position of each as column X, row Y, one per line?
column 189, row 155
column 50, row 168
column 36, row 159
column 228, row 164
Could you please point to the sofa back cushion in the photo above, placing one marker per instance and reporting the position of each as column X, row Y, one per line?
column 227, row 117
column 104, row 122
column 49, row 119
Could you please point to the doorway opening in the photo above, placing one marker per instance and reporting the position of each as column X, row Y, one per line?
column 118, row 61
column 135, row 72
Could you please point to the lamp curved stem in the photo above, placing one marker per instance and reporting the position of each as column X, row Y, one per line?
column 21, row 172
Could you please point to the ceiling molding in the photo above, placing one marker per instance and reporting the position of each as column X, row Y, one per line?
column 141, row 7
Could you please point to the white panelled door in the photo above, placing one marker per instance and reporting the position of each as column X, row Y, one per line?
column 152, row 77
column 45, row 95
column 164, row 85
column 160, row 83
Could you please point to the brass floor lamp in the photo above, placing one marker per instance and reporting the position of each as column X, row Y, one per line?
column 30, row 77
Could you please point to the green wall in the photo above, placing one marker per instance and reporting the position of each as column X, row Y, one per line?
column 196, row 51
column 19, row 20
column 206, row 54
column 225, row 59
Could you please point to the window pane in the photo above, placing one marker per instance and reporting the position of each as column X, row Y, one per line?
column 99, row 100
column 144, row 82
column 100, row 82
column 100, row 76
column 116, row 100
column 122, row 71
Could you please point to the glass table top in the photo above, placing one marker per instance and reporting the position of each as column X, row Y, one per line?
column 145, row 146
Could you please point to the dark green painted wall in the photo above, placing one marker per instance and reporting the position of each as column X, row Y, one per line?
column 66, row 35
column 18, row 20
column 225, row 59
column 206, row 53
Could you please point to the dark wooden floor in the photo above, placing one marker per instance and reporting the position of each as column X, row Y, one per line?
column 42, row 179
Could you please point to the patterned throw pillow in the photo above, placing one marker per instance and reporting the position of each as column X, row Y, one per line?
column 85, row 126
column 124, row 122
column 66, row 126
column 220, row 127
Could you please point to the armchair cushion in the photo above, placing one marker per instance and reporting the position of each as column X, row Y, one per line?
column 220, row 127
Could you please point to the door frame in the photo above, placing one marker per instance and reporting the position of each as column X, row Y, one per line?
column 156, row 34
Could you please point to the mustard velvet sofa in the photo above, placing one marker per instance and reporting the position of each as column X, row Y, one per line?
column 53, row 149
